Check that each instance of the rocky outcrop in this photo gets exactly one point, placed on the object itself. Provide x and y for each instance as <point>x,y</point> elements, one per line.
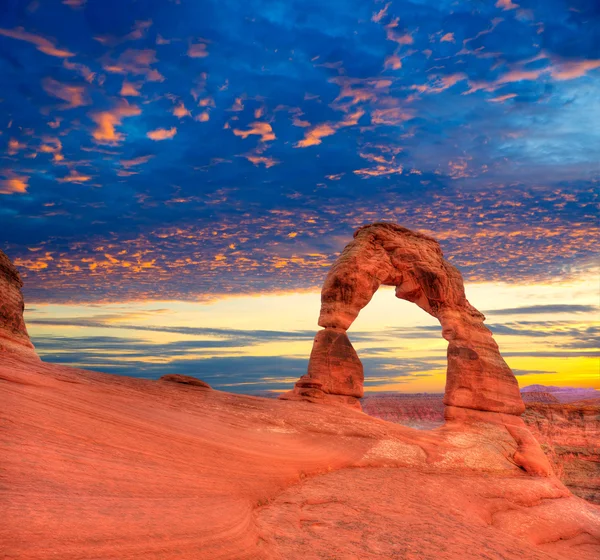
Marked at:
<point>538,397</point>
<point>480,387</point>
<point>13,332</point>
<point>185,380</point>
<point>387,254</point>
<point>570,436</point>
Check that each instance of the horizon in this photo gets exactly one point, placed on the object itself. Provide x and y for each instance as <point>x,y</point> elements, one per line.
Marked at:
<point>178,177</point>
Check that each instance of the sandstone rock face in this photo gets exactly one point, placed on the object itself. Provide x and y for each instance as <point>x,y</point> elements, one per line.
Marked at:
<point>105,466</point>
<point>387,254</point>
<point>13,332</point>
<point>570,436</point>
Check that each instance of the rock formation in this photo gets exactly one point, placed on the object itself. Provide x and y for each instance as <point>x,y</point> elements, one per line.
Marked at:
<point>13,332</point>
<point>480,387</point>
<point>390,255</point>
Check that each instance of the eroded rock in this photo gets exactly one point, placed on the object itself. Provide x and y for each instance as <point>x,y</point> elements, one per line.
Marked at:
<point>387,254</point>
<point>13,332</point>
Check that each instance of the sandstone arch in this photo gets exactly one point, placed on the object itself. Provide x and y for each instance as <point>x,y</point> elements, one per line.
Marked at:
<point>477,377</point>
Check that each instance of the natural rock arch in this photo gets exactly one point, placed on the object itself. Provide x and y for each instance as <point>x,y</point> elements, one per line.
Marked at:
<point>386,254</point>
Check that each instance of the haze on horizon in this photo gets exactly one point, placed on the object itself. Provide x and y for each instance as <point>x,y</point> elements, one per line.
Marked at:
<point>177,176</point>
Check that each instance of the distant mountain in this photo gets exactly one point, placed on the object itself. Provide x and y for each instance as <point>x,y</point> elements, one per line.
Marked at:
<point>562,394</point>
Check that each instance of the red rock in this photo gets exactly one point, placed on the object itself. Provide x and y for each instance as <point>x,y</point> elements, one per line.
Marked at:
<point>103,466</point>
<point>570,437</point>
<point>13,332</point>
<point>477,377</point>
<point>334,370</point>
<point>538,397</point>
<point>185,379</point>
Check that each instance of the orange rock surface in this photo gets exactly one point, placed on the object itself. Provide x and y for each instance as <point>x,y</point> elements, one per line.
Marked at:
<point>13,332</point>
<point>101,466</point>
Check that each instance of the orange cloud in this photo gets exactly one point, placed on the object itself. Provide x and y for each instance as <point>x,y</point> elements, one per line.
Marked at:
<point>129,90</point>
<point>393,115</point>
<point>74,177</point>
<point>506,5</point>
<point>127,163</point>
<point>14,146</point>
<point>197,50</point>
<point>180,111</point>
<point>261,129</point>
<point>82,69</point>
<point>136,62</point>
<point>313,136</point>
<point>393,61</point>
<point>572,70</point>
<point>257,160</point>
<point>14,185</point>
<point>42,44</point>
<point>202,117</point>
<point>238,105</point>
<point>378,16</point>
<point>502,98</point>
<point>52,146</point>
<point>107,121</point>
<point>162,134</point>
<point>75,96</point>
<point>447,38</point>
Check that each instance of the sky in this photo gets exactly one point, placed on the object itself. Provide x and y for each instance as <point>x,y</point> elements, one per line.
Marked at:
<point>176,177</point>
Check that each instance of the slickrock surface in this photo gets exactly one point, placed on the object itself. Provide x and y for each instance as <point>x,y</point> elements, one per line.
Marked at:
<point>569,434</point>
<point>13,332</point>
<point>101,466</point>
<point>387,254</point>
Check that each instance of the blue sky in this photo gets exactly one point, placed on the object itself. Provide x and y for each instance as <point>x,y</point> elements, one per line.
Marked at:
<point>194,150</point>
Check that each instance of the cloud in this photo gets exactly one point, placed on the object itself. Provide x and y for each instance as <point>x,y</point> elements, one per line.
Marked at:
<point>544,309</point>
<point>134,162</point>
<point>393,61</point>
<point>107,121</point>
<point>506,5</point>
<point>15,184</point>
<point>42,44</point>
<point>129,89</point>
<point>75,177</point>
<point>162,133</point>
<point>261,129</point>
<point>573,69</point>
<point>197,50</point>
<point>180,111</point>
<point>312,137</point>
<point>264,160</point>
<point>447,38</point>
<point>138,32</point>
<point>137,62</point>
<point>75,96</point>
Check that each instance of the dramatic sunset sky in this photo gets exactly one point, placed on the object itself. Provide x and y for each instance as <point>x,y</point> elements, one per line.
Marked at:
<point>176,176</point>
